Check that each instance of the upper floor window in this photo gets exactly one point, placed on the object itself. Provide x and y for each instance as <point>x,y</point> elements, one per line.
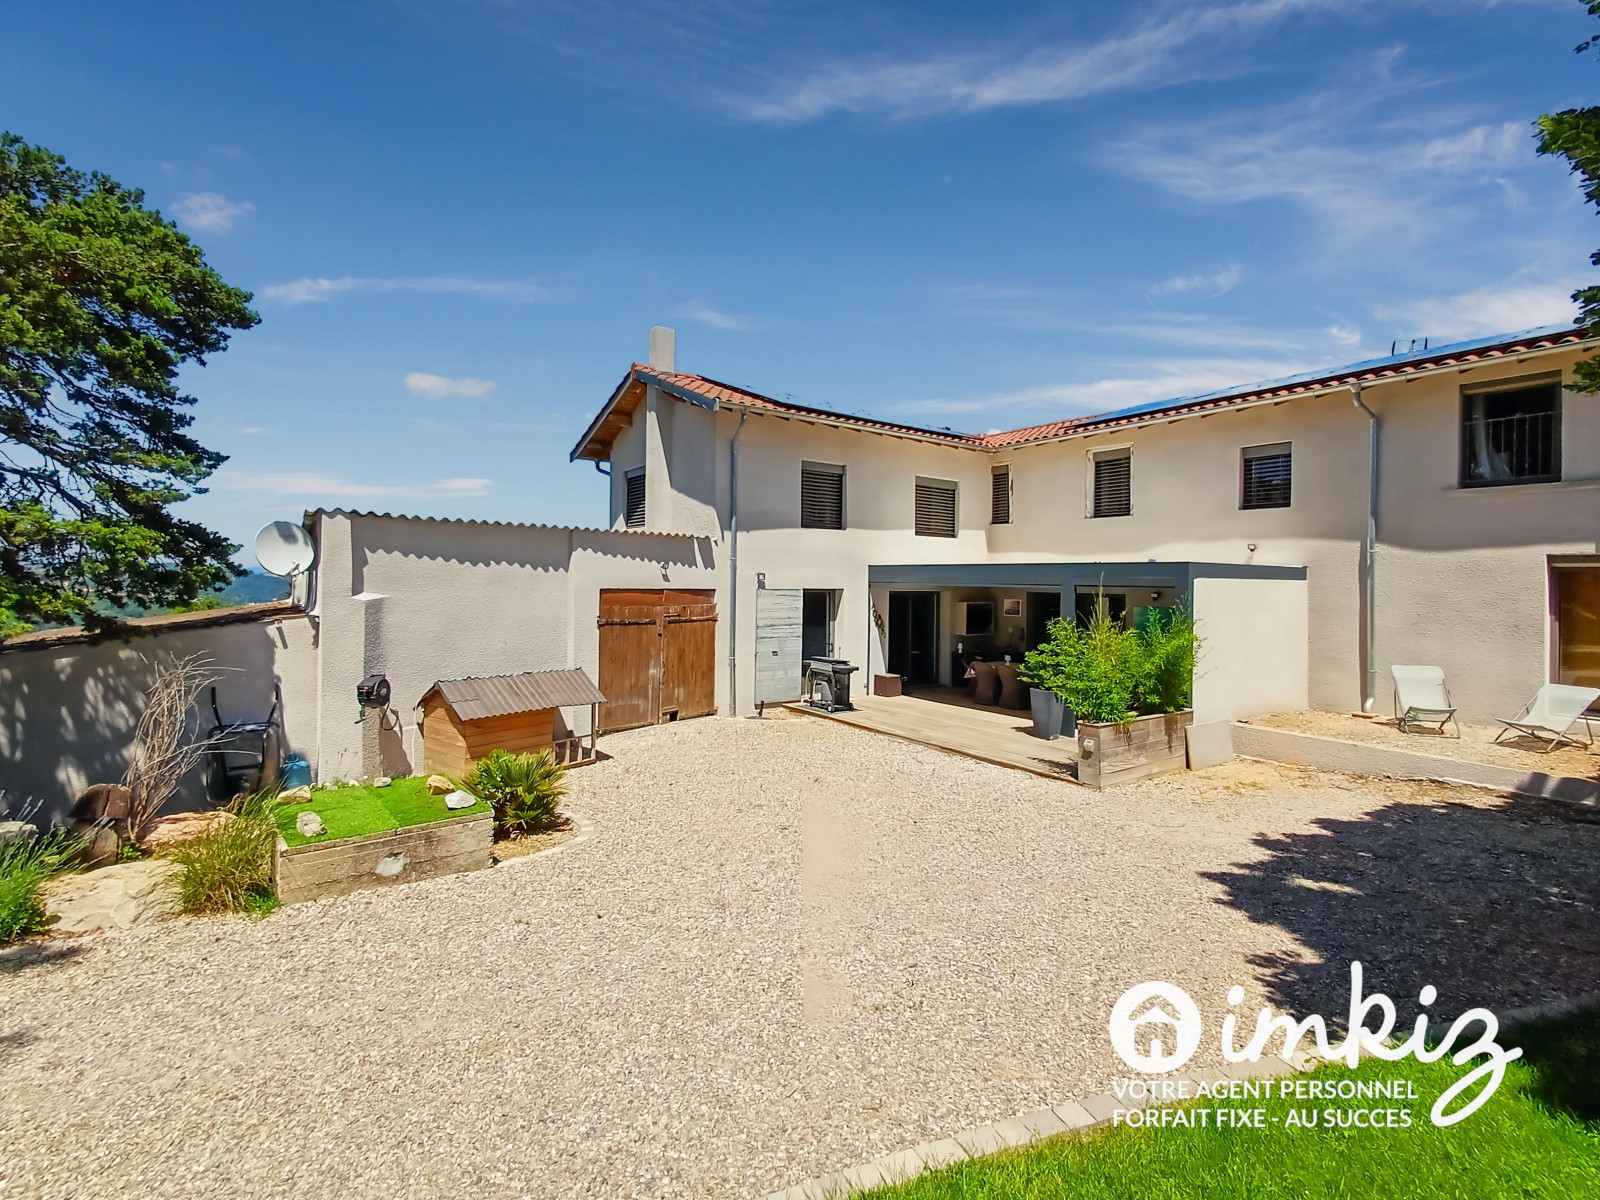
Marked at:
<point>1511,433</point>
<point>821,496</point>
<point>633,506</point>
<point>1000,503</point>
<point>1267,476</point>
<point>936,508</point>
<point>1113,483</point>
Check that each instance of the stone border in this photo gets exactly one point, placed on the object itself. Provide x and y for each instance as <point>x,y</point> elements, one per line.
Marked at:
<point>1360,758</point>
<point>1080,1116</point>
<point>1072,1116</point>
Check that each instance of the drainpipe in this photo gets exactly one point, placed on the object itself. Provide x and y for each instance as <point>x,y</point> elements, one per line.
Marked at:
<point>1369,573</point>
<point>733,566</point>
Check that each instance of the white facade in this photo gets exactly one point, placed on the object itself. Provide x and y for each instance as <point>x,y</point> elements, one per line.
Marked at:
<point>1462,573</point>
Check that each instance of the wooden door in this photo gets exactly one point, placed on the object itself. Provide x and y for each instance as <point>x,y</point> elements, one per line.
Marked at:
<point>658,656</point>
<point>689,661</point>
<point>630,668</point>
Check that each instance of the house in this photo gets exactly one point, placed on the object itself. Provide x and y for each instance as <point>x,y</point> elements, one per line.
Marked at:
<point>1474,466</point>
<point>748,533</point>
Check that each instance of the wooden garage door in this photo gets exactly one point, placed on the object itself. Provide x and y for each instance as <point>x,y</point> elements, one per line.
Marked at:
<point>689,662</point>
<point>657,656</point>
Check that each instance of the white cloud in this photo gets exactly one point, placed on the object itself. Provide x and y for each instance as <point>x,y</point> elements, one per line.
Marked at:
<point>1154,52</point>
<point>210,212</point>
<point>254,430</point>
<point>1361,180</point>
<point>1214,284</point>
<point>1171,379</point>
<point>1504,308</point>
<point>1345,333</point>
<point>442,387</point>
<point>316,291</point>
<point>717,319</point>
<point>317,484</point>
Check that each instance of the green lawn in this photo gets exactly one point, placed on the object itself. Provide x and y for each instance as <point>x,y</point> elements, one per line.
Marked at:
<point>1539,1136</point>
<point>349,811</point>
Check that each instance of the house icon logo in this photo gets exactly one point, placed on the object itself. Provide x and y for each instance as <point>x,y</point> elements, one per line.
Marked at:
<point>1155,1027</point>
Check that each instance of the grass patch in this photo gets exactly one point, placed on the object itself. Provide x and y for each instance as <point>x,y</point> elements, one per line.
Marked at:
<point>1535,1138</point>
<point>24,867</point>
<point>228,868</point>
<point>353,811</point>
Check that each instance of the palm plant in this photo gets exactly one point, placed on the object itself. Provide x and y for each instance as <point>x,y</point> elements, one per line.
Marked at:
<point>523,789</point>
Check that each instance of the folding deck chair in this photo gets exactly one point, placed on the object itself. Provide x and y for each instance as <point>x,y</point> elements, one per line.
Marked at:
<point>1420,698</point>
<point>1554,710</point>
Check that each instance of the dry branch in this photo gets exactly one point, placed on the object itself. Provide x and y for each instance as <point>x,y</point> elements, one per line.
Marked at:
<point>163,750</point>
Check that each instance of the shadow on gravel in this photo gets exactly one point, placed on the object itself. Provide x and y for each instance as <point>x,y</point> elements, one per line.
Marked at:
<point>1497,906</point>
<point>36,954</point>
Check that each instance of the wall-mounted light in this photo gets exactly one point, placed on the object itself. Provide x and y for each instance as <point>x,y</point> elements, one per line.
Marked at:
<point>1250,546</point>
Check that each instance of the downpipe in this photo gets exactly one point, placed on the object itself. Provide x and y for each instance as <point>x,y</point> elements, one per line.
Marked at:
<point>733,566</point>
<point>1370,564</point>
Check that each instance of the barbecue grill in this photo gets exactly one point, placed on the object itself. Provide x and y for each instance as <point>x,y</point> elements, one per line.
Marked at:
<point>827,683</point>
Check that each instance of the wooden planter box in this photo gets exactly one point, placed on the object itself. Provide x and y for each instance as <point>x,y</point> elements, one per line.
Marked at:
<point>373,860</point>
<point>1112,754</point>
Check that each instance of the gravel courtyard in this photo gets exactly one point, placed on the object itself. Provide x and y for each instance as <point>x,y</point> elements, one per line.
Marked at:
<point>789,946</point>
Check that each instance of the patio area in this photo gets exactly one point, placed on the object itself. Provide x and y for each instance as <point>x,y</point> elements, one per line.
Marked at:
<point>948,719</point>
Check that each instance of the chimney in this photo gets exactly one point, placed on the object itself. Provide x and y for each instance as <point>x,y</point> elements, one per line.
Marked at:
<point>663,348</point>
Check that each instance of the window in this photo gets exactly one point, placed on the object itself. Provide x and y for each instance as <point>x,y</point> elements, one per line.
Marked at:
<point>633,507</point>
<point>1113,483</point>
<point>1511,434</point>
<point>1000,505</point>
<point>1267,475</point>
<point>821,496</point>
<point>936,508</point>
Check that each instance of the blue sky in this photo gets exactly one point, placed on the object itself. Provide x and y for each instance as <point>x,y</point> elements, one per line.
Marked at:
<point>460,217</point>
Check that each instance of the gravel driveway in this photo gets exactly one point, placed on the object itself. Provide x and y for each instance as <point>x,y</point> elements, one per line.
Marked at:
<point>790,946</point>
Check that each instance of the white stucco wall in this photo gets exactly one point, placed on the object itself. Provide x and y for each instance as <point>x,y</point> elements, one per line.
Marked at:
<point>1253,647</point>
<point>69,711</point>
<point>422,600</point>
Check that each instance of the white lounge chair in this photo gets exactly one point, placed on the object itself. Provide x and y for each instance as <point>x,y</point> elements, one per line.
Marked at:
<point>1552,713</point>
<point>1420,698</point>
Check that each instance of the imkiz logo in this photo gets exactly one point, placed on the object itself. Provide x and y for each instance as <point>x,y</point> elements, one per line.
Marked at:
<point>1165,1019</point>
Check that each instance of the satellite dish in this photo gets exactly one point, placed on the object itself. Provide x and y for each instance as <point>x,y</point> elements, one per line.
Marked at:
<point>284,548</point>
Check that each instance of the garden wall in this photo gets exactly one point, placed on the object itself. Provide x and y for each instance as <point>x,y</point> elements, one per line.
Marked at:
<point>68,705</point>
<point>1253,648</point>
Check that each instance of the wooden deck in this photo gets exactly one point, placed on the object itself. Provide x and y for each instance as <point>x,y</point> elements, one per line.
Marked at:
<point>958,726</point>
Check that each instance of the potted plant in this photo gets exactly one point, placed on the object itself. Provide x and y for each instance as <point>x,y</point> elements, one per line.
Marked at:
<point>1139,688</point>
<point>1130,690</point>
<point>1046,670</point>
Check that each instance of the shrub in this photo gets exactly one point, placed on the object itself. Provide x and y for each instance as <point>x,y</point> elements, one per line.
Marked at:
<point>1166,649</point>
<point>24,866</point>
<point>523,789</point>
<point>228,868</point>
<point>1105,672</point>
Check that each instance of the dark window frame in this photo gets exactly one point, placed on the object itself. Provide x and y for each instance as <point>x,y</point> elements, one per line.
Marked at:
<point>1251,489</point>
<point>1466,422</point>
<point>818,473</point>
<point>1111,454</point>
<point>633,518</point>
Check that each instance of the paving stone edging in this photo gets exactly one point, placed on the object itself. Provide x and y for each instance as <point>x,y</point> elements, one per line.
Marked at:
<point>1361,758</point>
<point>1078,1116</point>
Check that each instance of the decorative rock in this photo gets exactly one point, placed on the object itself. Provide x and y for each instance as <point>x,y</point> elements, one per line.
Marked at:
<point>102,801</point>
<point>17,831</point>
<point>118,897</point>
<point>181,827</point>
<point>310,825</point>
<point>382,781</point>
<point>101,846</point>
<point>460,799</point>
<point>438,785</point>
<point>295,795</point>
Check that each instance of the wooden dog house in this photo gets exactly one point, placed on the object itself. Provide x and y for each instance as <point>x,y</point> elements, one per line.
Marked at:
<point>464,719</point>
